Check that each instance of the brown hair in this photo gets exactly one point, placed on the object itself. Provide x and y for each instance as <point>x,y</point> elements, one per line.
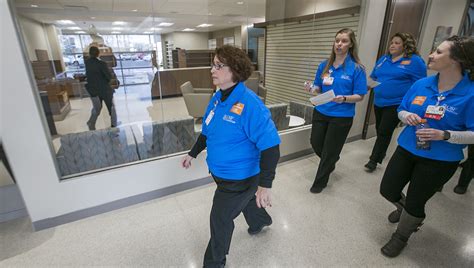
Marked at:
<point>352,50</point>
<point>94,52</point>
<point>462,51</point>
<point>237,60</point>
<point>409,44</point>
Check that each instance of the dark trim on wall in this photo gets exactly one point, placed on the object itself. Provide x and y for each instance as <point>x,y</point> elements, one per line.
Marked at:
<point>349,10</point>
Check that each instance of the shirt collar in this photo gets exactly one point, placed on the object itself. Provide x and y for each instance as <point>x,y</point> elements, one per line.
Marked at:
<point>235,95</point>
<point>462,87</point>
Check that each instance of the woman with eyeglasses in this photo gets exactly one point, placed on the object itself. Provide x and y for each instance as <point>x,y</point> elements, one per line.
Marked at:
<point>395,72</point>
<point>427,157</point>
<point>345,75</point>
<point>242,153</point>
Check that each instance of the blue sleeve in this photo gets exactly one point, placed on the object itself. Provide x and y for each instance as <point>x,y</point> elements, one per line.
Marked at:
<point>317,79</point>
<point>360,81</point>
<point>372,75</point>
<point>418,68</point>
<point>258,126</point>
<point>469,112</point>
<point>208,110</point>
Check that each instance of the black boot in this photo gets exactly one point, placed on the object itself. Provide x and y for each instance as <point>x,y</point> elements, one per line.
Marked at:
<point>370,166</point>
<point>394,217</point>
<point>408,224</point>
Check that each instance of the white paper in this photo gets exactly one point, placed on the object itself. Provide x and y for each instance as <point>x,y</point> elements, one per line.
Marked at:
<point>322,98</point>
<point>372,83</point>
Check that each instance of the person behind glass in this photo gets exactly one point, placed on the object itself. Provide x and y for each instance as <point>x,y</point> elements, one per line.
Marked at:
<point>98,79</point>
<point>242,153</point>
<point>395,72</point>
<point>467,172</point>
<point>428,157</point>
<point>344,74</point>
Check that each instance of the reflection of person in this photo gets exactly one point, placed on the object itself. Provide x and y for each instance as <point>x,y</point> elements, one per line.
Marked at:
<point>396,72</point>
<point>446,101</point>
<point>242,152</point>
<point>467,172</point>
<point>344,74</point>
<point>98,79</point>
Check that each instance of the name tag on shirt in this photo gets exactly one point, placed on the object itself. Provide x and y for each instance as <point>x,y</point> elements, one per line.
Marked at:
<point>328,80</point>
<point>435,112</point>
<point>237,108</point>
<point>419,100</point>
<point>209,117</point>
<point>405,62</point>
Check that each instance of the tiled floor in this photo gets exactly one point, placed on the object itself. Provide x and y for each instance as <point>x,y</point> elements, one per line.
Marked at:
<point>343,226</point>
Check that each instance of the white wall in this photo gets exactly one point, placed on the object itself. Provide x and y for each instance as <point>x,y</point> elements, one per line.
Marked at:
<point>26,142</point>
<point>440,13</point>
<point>190,41</point>
<point>279,9</point>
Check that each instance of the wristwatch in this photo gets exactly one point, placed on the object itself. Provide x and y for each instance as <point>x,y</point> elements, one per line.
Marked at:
<point>446,135</point>
<point>344,98</point>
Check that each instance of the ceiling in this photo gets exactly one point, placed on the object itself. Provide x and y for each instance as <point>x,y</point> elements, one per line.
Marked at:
<point>142,16</point>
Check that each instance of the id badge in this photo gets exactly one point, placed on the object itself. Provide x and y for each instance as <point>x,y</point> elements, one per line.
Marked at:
<point>434,112</point>
<point>209,117</point>
<point>328,80</point>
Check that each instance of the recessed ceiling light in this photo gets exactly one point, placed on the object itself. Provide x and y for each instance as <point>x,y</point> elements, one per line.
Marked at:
<point>116,28</point>
<point>204,25</point>
<point>147,32</point>
<point>115,32</point>
<point>34,5</point>
<point>134,10</point>
<point>188,30</point>
<point>80,32</point>
<point>73,28</point>
<point>119,23</point>
<point>240,3</point>
<point>93,18</point>
<point>165,24</point>
<point>155,29</point>
<point>65,22</point>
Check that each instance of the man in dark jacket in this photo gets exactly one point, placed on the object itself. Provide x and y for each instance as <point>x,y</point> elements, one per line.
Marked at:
<point>98,79</point>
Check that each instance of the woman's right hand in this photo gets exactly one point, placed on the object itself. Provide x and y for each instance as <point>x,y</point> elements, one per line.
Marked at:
<point>413,119</point>
<point>186,161</point>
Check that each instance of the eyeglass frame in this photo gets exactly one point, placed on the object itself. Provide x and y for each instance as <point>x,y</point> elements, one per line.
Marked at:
<point>218,66</point>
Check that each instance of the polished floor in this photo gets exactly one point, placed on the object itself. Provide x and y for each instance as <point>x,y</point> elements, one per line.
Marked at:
<point>343,226</point>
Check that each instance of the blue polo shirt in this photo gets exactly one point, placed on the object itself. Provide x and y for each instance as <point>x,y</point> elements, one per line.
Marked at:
<point>239,130</point>
<point>396,78</point>
<point>349,79</point>
<point>459,116</point>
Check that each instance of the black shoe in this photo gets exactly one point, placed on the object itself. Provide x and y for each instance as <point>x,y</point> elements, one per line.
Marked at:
<point>316,189</point>
<point>394,247</point>
<point>460,189</point>
<point>259,229</point>
<point>370,166</point>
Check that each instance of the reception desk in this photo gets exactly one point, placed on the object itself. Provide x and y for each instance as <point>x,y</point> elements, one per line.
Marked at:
<point>171,79</point>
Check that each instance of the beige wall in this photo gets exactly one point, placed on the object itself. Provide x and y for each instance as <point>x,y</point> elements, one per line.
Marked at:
<point>279,9</point>
<point>190,41</point>
<point>440,13</point>
<point>34,35</point>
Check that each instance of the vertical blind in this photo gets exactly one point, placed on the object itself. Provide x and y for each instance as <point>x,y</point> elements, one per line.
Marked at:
<point>294,51</point>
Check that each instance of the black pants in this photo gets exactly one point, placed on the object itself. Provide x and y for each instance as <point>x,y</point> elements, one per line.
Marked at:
<point>386,120</point>
<point>230,199</point>
<point>425,176</point>
<point>467,168</point>
<point>328,135</point>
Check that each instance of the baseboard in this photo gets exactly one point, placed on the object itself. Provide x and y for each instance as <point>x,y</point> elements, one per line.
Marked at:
<point>12,215</point>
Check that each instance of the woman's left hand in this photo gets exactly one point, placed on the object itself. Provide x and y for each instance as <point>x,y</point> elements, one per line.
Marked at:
<point>263,197</point>
<point>430,134</point>
<point>338,99</point>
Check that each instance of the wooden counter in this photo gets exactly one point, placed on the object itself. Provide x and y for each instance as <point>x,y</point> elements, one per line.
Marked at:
<point>172,79</point>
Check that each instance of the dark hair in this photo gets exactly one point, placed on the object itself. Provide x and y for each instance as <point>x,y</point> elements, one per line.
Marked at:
<point>352,50</point>
<point>237,60</point>
<point>462,51</point>
<point>94,52</point>
<point>409,43</point>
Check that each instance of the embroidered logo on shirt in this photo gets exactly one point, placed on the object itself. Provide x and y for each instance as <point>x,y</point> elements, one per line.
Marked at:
<point>419,100</point>
<point>237,108</point>
<point>450,109</point>
<point>405,62</point>
<point>346,77</point>
<point>228,118</point>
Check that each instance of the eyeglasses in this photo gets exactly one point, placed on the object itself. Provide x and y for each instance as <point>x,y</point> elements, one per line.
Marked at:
<point>218,66</point>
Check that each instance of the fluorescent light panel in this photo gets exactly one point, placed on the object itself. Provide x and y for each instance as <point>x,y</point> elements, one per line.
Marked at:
<point>65,22</point>
<point>204,25</point>
<point>165,24</point>
<point>119,23</point>
<point>73,28</point>
<point>188,30</point>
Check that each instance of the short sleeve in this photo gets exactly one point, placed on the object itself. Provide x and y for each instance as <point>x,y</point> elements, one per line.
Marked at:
<point>360,81</point>
<point>259,127</point>
<point>418,68</point>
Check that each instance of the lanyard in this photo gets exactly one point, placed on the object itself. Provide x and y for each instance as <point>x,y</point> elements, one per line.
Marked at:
<point>441,97</point>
